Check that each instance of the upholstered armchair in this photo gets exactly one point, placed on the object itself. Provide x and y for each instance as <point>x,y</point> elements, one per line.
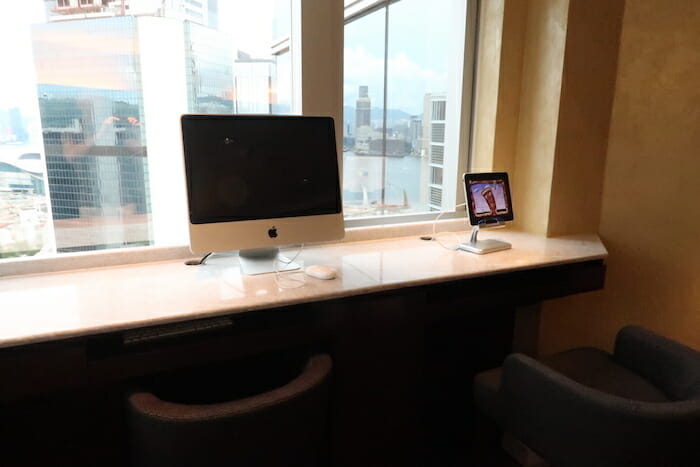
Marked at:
<point>639,406</point>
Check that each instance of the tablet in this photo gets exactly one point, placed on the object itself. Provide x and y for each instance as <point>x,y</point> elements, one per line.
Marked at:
<point>488,197</point>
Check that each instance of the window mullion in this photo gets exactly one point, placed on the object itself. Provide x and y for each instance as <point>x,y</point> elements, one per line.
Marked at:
<point>359,8</point>
<point>385,103</point>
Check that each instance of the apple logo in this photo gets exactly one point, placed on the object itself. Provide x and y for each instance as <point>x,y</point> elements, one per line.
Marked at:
<point>272,233</point>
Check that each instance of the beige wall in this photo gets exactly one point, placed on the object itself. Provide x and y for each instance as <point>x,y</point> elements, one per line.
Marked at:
<point>515,19</point>
<point>499,77</point>
<point>519,79</point>
<point>649,216</point>
<point>543,59</point>
<point>588,87</point>
<point>486,86</point>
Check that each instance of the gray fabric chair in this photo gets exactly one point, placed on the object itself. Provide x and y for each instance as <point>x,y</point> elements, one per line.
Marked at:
<point>639,406</point>
<point>286,426</point>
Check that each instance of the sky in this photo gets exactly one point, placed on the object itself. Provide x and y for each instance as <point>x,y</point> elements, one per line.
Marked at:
<point>15,49</point>
<point>18,86</point>
<point>419,45</point>
<point>250,23</point>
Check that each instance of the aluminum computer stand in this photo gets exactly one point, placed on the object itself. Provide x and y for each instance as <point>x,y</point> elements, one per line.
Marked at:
<point>481,247</point>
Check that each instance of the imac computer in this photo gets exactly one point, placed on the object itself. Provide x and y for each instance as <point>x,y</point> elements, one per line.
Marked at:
<point>256,182</point>
<point>488,205</point>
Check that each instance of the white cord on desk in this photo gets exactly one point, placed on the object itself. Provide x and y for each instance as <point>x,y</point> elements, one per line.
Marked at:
<point>435,234</point>
<point>292,279</point>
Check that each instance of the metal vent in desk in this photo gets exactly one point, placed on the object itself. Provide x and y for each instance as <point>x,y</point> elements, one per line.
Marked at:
<point>143,335</point>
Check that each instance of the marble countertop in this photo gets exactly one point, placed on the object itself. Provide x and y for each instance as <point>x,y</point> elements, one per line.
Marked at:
<point>45,307</point>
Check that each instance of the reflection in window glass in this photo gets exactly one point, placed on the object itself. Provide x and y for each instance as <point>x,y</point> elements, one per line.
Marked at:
<point>282,25</point>
<point>82,136</point>
<point>394,151</point>
<point>282,99</point>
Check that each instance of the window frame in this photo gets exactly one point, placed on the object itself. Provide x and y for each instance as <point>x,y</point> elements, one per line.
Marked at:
<point>357,9</point>
<point>308,61</point>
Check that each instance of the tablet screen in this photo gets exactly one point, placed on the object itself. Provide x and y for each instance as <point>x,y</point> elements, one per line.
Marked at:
<point>488,197</point>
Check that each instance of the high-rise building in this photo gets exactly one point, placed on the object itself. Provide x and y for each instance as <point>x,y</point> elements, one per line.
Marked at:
<point>434,109</point>
<point>415,135</point>
<point>363,108</point>
<point>363,121</point>
<point>112,78</point>
<point>203,12</point>
<point>104,85</point>
<point>92,117</point>
<point>209,57</point>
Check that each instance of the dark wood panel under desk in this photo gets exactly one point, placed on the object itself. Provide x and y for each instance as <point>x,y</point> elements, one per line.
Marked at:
<point>377,352</point>
<point>250,333</point>
<point>515,288</point>
<point>41,368</point>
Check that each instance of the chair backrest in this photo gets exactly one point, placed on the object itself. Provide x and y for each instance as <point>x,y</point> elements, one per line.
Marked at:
<point>573,425</point>
<point>286,426</point>
<point>671,366</point>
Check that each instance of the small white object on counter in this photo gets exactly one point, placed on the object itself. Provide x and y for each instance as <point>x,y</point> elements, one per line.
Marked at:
<point>320,271</point>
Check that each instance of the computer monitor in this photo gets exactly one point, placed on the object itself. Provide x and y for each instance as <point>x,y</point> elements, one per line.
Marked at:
<point>256,182</point>
<point>489,205</point>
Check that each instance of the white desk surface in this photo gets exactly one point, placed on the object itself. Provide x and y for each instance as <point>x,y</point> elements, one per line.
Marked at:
<point>46,307</point>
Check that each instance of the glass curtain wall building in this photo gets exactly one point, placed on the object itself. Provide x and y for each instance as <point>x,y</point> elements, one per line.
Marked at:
<point>209,57</point>
<point>90,156</point>
<point>91,104</point>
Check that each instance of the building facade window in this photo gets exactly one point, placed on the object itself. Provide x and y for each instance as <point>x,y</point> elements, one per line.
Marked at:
<point>403,91</point>
<point>89,153</point>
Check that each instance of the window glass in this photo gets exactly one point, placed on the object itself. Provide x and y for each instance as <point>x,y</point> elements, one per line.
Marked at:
<point>363,116</point>
<point>282,98</point>
<point>90,156</point>
<point>398,151</point>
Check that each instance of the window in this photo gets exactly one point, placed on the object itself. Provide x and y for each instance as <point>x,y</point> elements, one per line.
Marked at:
<point>90,157</point>
<point>403,95</point>
<point>89,116</point>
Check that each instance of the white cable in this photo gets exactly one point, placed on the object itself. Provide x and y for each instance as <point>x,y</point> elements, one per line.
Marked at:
<point>437,238</point>
<point>292,279</point>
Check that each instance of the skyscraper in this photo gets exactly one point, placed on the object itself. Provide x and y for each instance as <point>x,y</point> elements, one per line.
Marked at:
<point>434,114</point>
<point>363,121</point>
<point>112,78</point>
<point>101,96</point>
<point>209,56</point>
<point>92,117</point>
<point>363,108</point>
<point>197,11</point>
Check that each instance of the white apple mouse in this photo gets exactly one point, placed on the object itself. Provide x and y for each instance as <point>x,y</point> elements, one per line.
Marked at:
<point>320,271</point>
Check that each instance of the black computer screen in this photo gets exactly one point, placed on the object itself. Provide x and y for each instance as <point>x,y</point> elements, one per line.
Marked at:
<point>259,167</point>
